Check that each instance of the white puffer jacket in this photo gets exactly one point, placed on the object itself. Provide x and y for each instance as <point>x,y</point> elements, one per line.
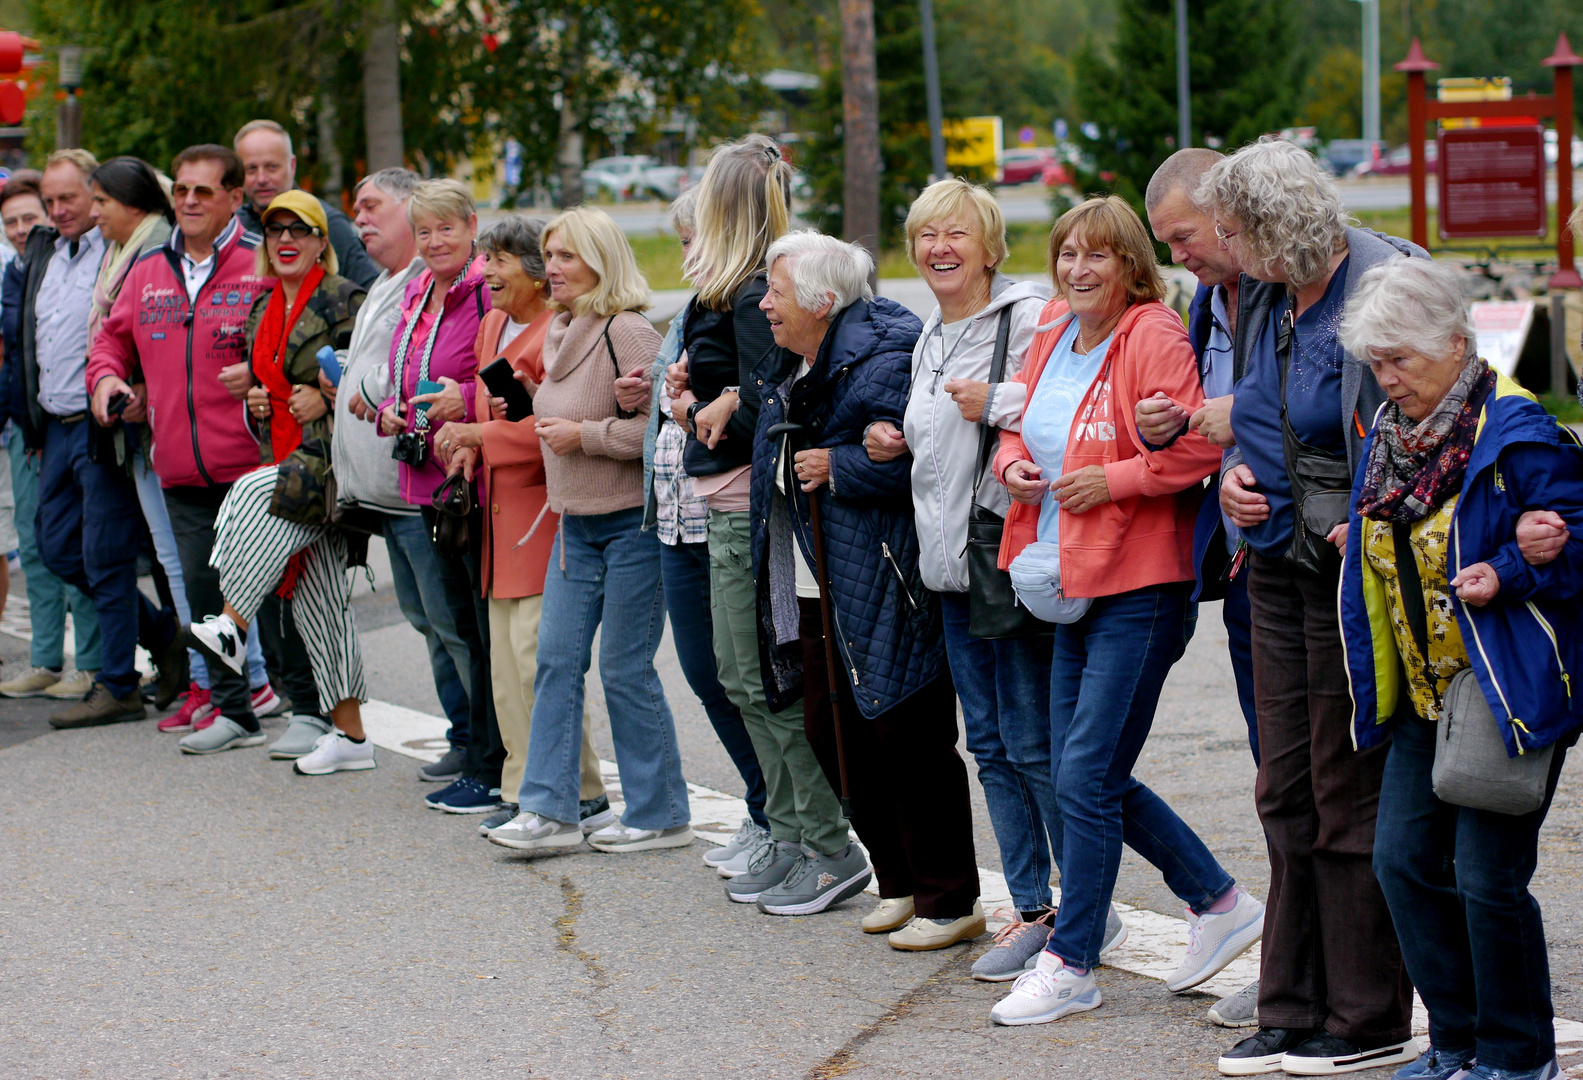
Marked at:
<point>944,446</point>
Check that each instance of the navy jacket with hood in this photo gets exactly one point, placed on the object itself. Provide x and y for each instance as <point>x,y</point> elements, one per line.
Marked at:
<point>887,623</point>
<point>1527,643</point>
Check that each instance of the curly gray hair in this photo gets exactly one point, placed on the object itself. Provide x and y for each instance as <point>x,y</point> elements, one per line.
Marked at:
<point>1408,304</point>
<point>1289,208</point>
<point>517,234</point>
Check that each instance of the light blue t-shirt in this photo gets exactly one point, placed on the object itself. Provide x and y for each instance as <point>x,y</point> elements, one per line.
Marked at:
<point>1048,420</point>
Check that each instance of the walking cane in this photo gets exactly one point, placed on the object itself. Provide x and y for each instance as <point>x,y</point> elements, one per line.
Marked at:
<point>833,669</point>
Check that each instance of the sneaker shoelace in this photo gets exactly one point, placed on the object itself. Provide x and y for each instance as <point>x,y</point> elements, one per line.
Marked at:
<point>1035,983</point>
<point>1007,935</point>
<point>745,834</point>
<point>799,870</point>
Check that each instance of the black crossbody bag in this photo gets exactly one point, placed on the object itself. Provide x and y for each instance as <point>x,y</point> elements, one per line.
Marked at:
<point>1321,482</point>
<point>993,610</point>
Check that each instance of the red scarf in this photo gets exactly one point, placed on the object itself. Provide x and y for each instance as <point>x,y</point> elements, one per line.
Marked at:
<point>269,362</point>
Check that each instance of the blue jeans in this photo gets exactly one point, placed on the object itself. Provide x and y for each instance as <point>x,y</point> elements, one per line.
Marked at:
<point>1239,643</point>
<point>612,577</point>
<point>152,498</point>
<point>89,530</point>
<point>1456,881</point>
<point>1106,671</point>
<point>685,571</point>
<point>47,595</point>
<point>1004,688</point>
<point>420,592</point>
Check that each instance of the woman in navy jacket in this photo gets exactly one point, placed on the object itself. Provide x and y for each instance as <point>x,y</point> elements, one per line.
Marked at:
<point>1458,456</point>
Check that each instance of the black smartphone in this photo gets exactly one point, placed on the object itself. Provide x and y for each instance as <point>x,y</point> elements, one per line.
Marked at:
<point>117,404</point>
<point>502,383</point>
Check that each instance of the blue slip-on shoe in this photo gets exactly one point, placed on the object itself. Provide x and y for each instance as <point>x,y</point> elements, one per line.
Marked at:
<point>466,796</point>
<point>1488,1072</point>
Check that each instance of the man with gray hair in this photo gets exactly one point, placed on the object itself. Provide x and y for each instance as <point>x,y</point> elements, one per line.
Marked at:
<point>367,485</point>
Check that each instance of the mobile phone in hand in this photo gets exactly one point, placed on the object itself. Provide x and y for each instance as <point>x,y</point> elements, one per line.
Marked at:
<point>502,383</point>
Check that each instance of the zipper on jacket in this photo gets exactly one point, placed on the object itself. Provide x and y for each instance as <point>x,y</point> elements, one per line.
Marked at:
<point>192,410</point>
<point>1511,720</point>
<point>1555,646</point>
<point>901,579</point>
<point>840,642</point>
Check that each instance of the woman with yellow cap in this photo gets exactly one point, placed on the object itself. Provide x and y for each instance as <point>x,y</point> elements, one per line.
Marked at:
<point>273,533</point>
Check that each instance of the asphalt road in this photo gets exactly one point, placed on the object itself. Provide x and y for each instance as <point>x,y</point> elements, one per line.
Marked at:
<point>180,917</point>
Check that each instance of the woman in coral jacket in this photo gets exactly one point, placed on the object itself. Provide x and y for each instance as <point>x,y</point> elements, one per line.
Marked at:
<point>1099,541</point>
<point>506,458</point>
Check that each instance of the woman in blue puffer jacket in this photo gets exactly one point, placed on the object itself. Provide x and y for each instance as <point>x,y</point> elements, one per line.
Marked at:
<point>1438,586</point>
<point>898,710</point>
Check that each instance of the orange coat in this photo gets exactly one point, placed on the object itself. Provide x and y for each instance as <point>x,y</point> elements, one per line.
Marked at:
<point>511,477</point>
<point>1144,535</point>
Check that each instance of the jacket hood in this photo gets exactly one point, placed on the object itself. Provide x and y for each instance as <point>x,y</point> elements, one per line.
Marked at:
<point>867,327</point>
<point>1003,291</point>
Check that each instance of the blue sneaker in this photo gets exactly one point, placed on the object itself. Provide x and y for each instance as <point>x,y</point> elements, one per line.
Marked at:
<point>465,796</point>
<point>1489,1072</point>
<point>1435,1064</point>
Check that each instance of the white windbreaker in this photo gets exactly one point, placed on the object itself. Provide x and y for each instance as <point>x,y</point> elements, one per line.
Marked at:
<point>945,446</point>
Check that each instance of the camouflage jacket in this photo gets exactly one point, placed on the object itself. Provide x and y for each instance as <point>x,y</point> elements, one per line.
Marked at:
<point>327,320</point>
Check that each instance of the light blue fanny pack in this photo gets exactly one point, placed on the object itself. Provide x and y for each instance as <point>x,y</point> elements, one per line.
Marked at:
<point>1036,577</point>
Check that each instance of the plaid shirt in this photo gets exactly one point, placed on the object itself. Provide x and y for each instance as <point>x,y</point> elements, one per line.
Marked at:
<point>683,518</point>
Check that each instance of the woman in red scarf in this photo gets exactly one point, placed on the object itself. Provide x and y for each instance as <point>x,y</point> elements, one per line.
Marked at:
<point>310,307</point>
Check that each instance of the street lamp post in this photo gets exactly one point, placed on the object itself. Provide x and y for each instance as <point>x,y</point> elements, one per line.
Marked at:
<point>1184,101</point>
<point>931,89</point>
<point>68,118</point>
<point>1371,71</point>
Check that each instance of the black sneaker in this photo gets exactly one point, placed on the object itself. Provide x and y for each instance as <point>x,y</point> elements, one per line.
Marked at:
<point>1262,1052</point>
<point>595,814</point>
<point>447,768</point>
<point>1324,1054</point>
<point>506,812</point>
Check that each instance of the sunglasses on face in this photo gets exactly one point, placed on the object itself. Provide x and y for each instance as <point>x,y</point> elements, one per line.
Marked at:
<point>298,230</point>
<point>203,191</point>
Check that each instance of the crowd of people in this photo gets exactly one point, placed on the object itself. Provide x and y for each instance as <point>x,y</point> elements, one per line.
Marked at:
<point>858,524</point>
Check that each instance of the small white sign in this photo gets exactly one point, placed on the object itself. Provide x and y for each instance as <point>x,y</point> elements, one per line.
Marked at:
<point>1502,327</point>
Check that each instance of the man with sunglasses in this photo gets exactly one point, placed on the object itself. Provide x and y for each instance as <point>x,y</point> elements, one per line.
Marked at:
<point>181,318</point>
<point>269,168</point>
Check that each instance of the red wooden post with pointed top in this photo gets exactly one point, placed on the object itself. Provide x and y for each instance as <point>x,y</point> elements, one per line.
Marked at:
<point>1414,66</point>
<point>1561,62</point>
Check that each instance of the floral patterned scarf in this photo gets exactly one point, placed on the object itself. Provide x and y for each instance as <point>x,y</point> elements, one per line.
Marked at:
<point>1414,468</point>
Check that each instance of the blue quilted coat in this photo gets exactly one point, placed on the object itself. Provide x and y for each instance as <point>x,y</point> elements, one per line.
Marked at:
<point>887,623</point>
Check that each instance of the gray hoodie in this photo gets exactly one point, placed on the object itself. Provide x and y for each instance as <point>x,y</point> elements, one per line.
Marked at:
<point>365,473</point>
<point>945,446</point>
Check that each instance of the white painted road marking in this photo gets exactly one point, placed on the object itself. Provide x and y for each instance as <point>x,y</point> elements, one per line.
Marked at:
<point>1154,944</point>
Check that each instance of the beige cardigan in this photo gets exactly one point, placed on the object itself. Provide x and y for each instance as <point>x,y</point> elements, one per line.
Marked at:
<point>579,384</point>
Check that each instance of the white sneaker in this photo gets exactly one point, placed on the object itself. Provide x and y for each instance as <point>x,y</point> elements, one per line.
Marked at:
<point>1046,993</point>
<point>619,838</point>
<point>1213,941</point>
<point>738,864</point>
<point>530,832</point>
<point>72,686</point>
<point>334,752</point>
<point>750,835</point>
<point>222,639</point>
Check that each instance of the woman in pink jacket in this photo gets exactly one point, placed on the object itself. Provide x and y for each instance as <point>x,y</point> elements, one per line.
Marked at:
<point>1099,541</point>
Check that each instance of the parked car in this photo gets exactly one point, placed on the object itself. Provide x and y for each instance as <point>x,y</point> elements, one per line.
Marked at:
<point>1345,155</point>
<point>1025,164</point>
<point>617,177</point>
<point>669,181</point>
<point>1550,150</point>
<point>1399,162</point>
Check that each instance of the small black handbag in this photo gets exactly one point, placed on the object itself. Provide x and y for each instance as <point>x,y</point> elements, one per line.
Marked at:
<point>453,501</point>
<point>993,610</point>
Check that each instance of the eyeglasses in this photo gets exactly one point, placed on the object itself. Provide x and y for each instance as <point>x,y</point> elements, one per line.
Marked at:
<point>1221,234</point>
<point>181,191</point>
<point>298,230</point>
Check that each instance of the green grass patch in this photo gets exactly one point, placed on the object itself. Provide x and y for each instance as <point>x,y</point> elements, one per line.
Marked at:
<point>1027,244</point>
<point>1564,407</point>
<point>660,259</point>
<point>1399,222</point>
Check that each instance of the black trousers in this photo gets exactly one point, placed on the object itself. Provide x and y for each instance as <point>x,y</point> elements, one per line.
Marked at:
<point>463,582</point>
<point>910,802</point>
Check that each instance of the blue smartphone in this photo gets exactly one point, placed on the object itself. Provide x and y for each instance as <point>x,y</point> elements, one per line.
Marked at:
<point>330,365</point>
<point>426,387</point>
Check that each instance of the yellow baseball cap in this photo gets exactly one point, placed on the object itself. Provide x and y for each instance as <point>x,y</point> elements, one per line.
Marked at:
<point>305,206</point>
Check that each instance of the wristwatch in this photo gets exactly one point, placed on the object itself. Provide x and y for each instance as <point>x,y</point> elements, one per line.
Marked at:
<point>692,416</point>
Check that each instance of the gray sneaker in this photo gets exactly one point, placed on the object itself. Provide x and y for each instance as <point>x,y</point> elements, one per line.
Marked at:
<point>447,768</point>
<point>1115,934</point>
<point>770,865</point>
<point>750,836</point>
<point>1016,945</point>
<point>223,734</point>
<point>530,832</point>
<point>817,882</point>
<point>506,812</point>
<point>298,741</point>
<point>1239,1010</point>
<point>738,864</point>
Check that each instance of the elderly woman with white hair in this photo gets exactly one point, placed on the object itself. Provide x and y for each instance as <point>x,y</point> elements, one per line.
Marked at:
<point>1333,994</point>
<point>826,517</point>
<point>1458,457</point>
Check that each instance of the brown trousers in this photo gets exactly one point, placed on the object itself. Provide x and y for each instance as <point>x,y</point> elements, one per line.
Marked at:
<point>910,802</point>
<point>1330,955</point>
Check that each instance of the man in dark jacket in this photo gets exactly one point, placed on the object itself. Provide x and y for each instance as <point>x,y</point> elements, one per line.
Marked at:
<point>909,791</point>
<point>265,149</point>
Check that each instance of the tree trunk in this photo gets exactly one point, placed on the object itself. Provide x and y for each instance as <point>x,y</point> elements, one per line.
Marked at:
<point>382,87</point>
<point>329,148</point>
<point>569,149</point>
<point>860,124</point>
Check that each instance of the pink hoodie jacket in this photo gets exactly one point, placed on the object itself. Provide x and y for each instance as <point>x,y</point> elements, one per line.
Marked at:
<point>201,435</point>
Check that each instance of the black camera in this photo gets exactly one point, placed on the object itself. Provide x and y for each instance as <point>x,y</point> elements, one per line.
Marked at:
<point>411,449</point>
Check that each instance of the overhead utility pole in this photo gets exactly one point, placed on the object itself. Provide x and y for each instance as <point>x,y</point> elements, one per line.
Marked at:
<point>1184,101</point>
<point>931,87</point>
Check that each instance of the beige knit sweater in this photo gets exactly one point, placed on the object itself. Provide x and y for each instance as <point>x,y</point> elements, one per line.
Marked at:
<point>579,384</point>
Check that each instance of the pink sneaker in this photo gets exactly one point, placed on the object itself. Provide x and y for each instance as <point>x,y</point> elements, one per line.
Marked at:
<point>195,712</point>
<point>266,702</point>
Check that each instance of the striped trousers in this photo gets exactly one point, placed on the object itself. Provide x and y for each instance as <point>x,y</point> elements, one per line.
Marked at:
<point>251,550</point>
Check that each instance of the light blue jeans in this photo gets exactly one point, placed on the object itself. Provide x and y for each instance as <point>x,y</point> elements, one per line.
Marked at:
<point>152,498</point>
<point>611,577</point>
<point>47,595</point>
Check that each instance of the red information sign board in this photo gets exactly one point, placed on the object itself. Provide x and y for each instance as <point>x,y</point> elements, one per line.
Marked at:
<point>1492,182</point>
